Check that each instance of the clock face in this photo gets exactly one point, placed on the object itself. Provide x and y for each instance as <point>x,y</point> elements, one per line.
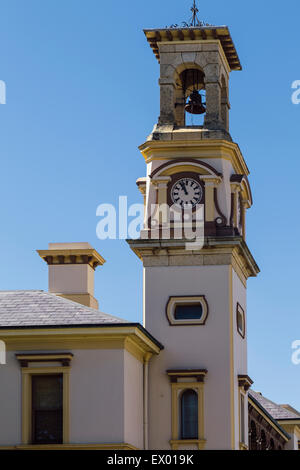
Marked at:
<point>186,191</point>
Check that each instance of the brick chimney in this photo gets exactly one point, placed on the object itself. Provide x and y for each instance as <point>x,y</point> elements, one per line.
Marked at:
<point>71,271</point>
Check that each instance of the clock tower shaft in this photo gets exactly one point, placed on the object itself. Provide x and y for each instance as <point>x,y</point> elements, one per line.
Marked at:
<point>195,296</point>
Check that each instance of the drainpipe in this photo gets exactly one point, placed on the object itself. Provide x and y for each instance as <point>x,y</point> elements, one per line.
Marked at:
<point>147,358</point>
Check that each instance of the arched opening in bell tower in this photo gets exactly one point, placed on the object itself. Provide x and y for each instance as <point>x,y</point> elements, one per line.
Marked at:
<point>191,97</point>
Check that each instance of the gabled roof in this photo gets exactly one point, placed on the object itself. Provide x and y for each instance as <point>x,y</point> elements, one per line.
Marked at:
<point>264,412</point>
<point>19,309</point>
<point>277,412</point>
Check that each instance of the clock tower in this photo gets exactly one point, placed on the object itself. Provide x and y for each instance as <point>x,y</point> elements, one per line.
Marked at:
<point>195,293</point>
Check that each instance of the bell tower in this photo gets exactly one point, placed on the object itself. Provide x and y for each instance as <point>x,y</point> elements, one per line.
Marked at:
<point>195,295</point>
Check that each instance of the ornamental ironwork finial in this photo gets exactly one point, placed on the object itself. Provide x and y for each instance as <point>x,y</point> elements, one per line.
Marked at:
<point>194,21</point>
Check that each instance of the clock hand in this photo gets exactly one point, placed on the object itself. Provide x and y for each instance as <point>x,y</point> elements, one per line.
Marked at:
<point>184,188</point>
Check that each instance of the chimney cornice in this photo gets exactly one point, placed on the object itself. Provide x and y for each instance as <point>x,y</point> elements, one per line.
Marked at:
<point>72,256</point>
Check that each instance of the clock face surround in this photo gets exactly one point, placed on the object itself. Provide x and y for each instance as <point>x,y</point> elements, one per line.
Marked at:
<point>186,192</point>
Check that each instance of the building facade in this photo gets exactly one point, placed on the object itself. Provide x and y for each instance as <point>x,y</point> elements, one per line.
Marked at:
<point>76,378</point>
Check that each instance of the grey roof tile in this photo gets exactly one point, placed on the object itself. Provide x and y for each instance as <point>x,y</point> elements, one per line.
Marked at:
<point>278,412</point>
<point>39,308</point>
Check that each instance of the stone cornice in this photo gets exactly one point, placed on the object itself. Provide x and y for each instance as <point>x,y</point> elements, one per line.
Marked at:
<point>196,147</point>
<point>245,382</point>
<point>63,358</point>
<point>131,337</point>
<point>198,374</point>
<point>203,35</point>
<point>216,251</point>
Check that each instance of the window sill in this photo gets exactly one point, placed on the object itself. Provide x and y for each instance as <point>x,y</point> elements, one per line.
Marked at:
<point>200,443</point>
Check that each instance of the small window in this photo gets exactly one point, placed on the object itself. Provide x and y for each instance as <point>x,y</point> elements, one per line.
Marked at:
<point>242,419</point>
<point>240,319</point>
<point>47,409</point>
<point>187,310</point>
<point>189,415</point>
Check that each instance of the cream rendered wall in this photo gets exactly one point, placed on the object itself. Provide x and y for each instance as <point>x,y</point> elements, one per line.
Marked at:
<point>292,444</point>
<point>195,347</point>
<point>239,295</point>
<point>10,401</point>
<point>106,398</point>
<point>71,278</point>
<point>97,396</point>
<point>133,401</point>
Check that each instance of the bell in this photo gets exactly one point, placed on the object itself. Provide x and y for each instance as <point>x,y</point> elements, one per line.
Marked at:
<point>195,105</point>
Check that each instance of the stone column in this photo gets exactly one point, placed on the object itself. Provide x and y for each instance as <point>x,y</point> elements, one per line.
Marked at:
<point>245,206</point>
<point>225,113</point>
<point>225,105</point>
<point>213,117</point>
<point>210,184</point>
<point>235,189</point>
<point>161,184</point>
<point>167,101</point>
<point>179,108</point>
<point>142,186</point>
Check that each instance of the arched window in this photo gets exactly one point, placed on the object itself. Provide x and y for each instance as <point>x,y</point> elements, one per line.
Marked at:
<point>191,93</point>
<point>263,440</point>
<point>189,415</point>
<point>253,436</point>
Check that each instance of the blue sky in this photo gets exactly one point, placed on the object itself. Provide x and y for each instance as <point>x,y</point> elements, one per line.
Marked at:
<point>82,94</point>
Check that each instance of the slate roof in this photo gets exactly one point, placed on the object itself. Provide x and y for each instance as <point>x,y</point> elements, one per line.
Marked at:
<point>277,412</point>
<point>38,308</point>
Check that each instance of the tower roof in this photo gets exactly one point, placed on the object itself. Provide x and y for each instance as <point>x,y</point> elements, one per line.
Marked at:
<point>188,34</point>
